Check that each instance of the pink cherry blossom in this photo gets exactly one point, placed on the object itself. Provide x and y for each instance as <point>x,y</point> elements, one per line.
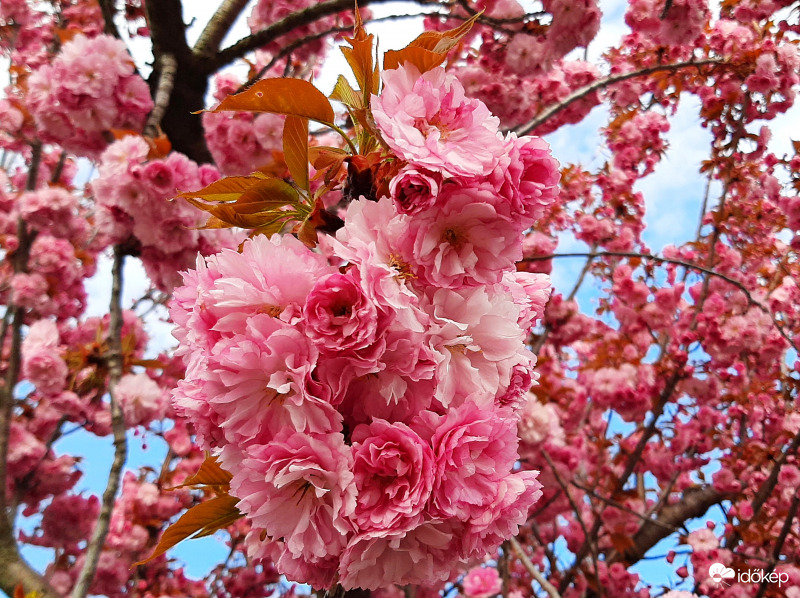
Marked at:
<point>394,474</point>
<point>481,582</point>
<point>300,488</point>
<point>429,122</point>
<point>339,316</point>
<point>461,242</point>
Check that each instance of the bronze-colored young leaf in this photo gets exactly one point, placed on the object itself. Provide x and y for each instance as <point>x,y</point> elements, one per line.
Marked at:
<point>444,41</point>
<point>430,48</point>
<point>227,189</point>
<point>294,97</point>
<point>199,521</point>
<point>343,92</point>
<point>327,161</point>
<point>251,216</point>
<point>268,194</point>
<point>209,474</point>
<point>295,149</point>
<point>319,219</point>
<point>271,228</point>
<point>360,58</point>
<point>421,58</point>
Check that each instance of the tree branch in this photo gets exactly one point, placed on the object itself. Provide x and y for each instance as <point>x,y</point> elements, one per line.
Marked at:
<point>218,27</point>
<point>166,82</point>
<point>108,10</point>
<point>297,19</point>
<point>100,532</point>
<point>581,93</point>
<point>767,487</point>
<point>695,502</point>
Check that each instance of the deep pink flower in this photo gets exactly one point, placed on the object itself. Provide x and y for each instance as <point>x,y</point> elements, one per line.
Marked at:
<point>369,239</point>
<point>478,343</point>
<point>526,178</point>
<point>338,316</point>
<point>530,291</point>
<point>394,472</point>
<point>257,383</point>
<point>414,190</point>
<point>474,449</point>
<point>271,276</point>
<point>481,582</point>
<point>141,399</point>
<point>501,517</point>
<point>42,364</point>
<point>402,384</point>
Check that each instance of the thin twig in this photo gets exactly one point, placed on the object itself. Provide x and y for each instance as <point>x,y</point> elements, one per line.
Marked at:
<point>533,570</point>
<point>536,347</point>
<point>95,546</point>
<point>766,488</point>
<point>587,539</point>
<point>648,256</point>
<point>503,566</point>
<point>289,23</point>
<point>621,507</point>
<point>581,93</point>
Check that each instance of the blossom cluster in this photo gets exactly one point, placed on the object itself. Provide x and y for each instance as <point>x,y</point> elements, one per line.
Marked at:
<point>89,88</point>
<point>366,397</point>
<point>131,192</point>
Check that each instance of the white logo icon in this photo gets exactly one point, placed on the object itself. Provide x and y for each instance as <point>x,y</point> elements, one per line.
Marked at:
<point>719,573</point>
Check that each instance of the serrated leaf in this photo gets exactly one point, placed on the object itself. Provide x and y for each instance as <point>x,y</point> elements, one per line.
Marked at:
<point>268,193</point>
<point>444,41</point>
<point>343,92</point>
<point>270,228</point>
<point>421,58</point>
<point>295,149</point>
<point>244,218</point>
<point>318,151</point>
<point>209,474</point>
<point>327,161</point>
<point>360,59</point>
<point>292,97</point>
<point>199,521</point>
<point>214,223</point>
<point>228,189</point>
<point>430,48</point>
